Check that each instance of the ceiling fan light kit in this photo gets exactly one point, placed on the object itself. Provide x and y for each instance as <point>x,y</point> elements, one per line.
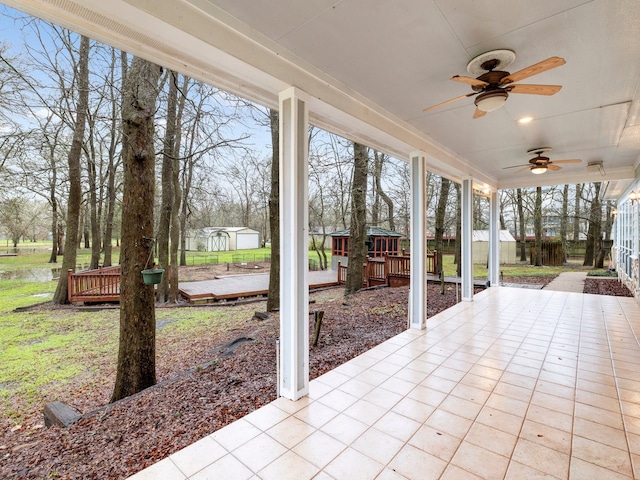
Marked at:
<point>493,85</point>
<point>538,169</point>
<point>491,100</point>
<point>539,164</point>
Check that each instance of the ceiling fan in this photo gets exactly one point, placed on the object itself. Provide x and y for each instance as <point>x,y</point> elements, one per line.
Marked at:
<point>492,86</point>
<point>540,164</point>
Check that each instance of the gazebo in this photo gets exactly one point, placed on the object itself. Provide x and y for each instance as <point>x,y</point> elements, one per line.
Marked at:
<point>380,242</point>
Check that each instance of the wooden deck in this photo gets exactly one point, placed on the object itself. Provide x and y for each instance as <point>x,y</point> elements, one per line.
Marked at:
<point>249,285</point>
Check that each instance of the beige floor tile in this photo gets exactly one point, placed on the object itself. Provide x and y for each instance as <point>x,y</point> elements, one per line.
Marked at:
<point>389,474</point>
<point>434,442</point>
<point>440,384</point>
<point>351,464</point>
<point>164,469</point>
<point>581,470</point>
<point>397,426</point>
<point>413,409</point>
<point>492,439</point>
<point>259,452</point>
<point>471,393</point>
<point>461,407</point>
<point>198,455</point>
<point>541,458</point>
<point>503,421</point>
<point>356,387</point>
<point>333,379</point>
<point>553,402</point>
<point>338,400</point>
<point>600,415</point>
<point>290,406</point>
<point>602,455</point>
<point>549,417</point>
<point>506,404</point>
<point>518,471</point>
<point>398,386</point>
<point>414,463</point>
<point>319,448</point>
<point>316,414</point>
<point>510,388</point>
<point>289,466</point>
<point>291,431</point>
<point>223,469</point>
<point>344,428</point>
<point>318,389</point>
<point>372,377</point>
<point>377,445</point>
<point>365,412</point>
<point>477,381</point>
<point>555,389</point>
<point>382,397</point>
<point>450,423</point>
<point>598,400</point>
<point>558,440</point>
<point>600,433</point>
<point>235,434</point>
<point>426,395</point>
<point>480,461</point>
<point>453,472</point>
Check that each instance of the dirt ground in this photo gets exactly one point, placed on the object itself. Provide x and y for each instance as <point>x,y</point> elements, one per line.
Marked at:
<point>222,384</point>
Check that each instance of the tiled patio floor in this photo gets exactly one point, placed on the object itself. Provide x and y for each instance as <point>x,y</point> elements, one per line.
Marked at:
<point>518,384</point>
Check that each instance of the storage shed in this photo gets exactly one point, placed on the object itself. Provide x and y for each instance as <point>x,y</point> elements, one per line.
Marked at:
<point>221,239</point>
<point>481,247</point>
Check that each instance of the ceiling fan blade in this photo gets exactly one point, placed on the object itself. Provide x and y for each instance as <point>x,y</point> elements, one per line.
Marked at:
<point>573,160</point>
<point>469,81</point>
<point>535,89</point>
<point>442,104</point>
<point>539,67</point>
<point>517,166</point>
<point>479,113</point>
<point>552,166</point>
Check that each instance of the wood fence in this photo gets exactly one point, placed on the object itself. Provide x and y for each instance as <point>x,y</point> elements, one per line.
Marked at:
<point>392,270</point>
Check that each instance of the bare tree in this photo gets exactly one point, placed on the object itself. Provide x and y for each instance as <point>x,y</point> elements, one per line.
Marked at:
<point>537,222</point>
<point>358,224</point>
<point>137,347</point>
<point>522,225</point>
<point>75,187</point>
<point>564,221</point>
<point>594,229</point>
<point>273,297</point>
<point>441,211</point>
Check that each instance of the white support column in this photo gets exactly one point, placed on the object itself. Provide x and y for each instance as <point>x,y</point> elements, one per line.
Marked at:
<point>294,255</point>
<point>467,238</point>
<point>494,239</point>
<point>418,282</point>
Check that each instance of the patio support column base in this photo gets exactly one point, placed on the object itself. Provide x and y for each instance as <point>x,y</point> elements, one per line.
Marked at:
<point>418,281</point>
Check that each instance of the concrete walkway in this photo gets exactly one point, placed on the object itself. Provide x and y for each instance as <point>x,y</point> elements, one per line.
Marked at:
<point>568,282</point>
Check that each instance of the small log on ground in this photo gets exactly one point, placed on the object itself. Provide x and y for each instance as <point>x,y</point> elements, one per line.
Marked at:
<point>61,414</point>
<point>260,315</point>
<point>319,315</point>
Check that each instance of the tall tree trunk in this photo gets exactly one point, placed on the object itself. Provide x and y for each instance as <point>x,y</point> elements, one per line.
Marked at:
<point>441,211</point>
<point>593,229</point>
<point>563,222</point>
<point>537,225</point>
<point>167,201</point>
<point>273,297</point>
<point>75,187</point>
<point>53,258</point>
<point>523,231</point>
<point>137,345</point>
<point>380,193</point>
<point>358,226</point>
<point>94,217</point>
<point>577,213</point>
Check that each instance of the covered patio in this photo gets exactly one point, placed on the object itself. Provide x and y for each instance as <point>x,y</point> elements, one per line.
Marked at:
<point>518,384</point>
<point>510,383</point>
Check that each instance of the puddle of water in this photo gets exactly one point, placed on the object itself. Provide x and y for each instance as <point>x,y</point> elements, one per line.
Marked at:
<point>31,274</point>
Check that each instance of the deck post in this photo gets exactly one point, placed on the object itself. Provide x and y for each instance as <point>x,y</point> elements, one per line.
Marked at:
<point>418,278</point>
<point>494,239</point>
<point>294,256</point>
<point>467,239</point>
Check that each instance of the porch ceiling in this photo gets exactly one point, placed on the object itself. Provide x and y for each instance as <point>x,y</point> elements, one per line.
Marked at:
<point>370,67</point>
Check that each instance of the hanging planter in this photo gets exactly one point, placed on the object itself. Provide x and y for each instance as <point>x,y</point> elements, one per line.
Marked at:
<point>152,276</point>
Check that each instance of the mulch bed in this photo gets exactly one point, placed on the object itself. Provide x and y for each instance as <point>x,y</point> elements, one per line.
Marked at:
<point>125,437</point>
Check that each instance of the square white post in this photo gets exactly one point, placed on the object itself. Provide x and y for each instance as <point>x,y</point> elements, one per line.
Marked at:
<point>494,239</point>
<point>294,256</point>
<point>467,238</point>
<point>418,281</point>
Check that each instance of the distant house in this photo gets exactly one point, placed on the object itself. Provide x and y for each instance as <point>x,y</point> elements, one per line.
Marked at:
<point>380,242</point>
<point>222,239</point>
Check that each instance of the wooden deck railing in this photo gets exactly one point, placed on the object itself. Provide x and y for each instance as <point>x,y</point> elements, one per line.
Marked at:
<point>100,285</point>
<point>377,270</point>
